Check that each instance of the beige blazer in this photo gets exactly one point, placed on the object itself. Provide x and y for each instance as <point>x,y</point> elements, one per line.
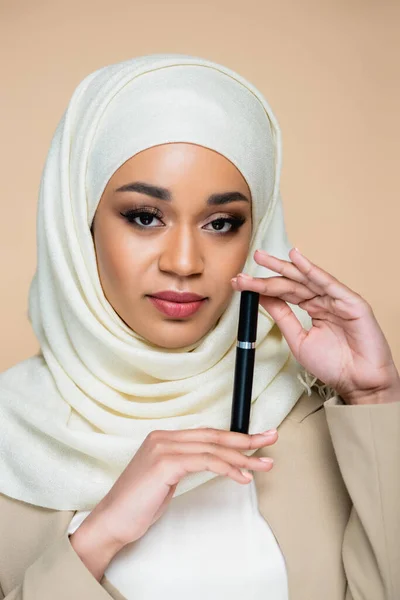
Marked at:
<point>332,500</point>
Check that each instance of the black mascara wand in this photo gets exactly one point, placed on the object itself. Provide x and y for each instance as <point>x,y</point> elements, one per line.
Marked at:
<point>244,364</point>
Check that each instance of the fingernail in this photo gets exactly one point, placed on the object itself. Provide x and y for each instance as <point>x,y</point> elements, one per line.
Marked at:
<point>297,250</point>
<point>263,252</point>
<point>234,280</point>
<point>269,432</point>
<point>245,276</point>
<point>266,459</point>
<point>247,474</point>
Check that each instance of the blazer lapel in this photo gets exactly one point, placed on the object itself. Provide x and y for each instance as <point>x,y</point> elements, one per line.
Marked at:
<point>304,501</point>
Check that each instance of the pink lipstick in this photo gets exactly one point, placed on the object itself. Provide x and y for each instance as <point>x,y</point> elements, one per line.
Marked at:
<point>177,304</point>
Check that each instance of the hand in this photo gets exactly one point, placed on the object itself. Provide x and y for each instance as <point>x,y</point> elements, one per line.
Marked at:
<point>142,492</point>
<point>345,347</point>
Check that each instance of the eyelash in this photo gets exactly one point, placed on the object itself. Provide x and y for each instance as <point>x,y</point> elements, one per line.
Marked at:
<point>131,214</point>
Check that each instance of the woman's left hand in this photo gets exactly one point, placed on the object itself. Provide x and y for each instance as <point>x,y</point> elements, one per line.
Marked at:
<point>345,347</point>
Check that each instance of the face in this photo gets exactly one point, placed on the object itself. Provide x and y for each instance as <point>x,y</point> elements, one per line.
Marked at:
<point>175,218</point>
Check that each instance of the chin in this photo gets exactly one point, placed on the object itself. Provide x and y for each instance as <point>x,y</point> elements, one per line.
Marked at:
<point>174,336</point>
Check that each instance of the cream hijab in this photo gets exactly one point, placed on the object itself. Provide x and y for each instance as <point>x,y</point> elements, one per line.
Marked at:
<point>74,415</point>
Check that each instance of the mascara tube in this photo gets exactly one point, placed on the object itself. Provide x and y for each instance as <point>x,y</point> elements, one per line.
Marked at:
<point>244,364</point>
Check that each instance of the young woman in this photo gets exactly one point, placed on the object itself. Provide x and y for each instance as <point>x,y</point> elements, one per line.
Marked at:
<point>159,202</point>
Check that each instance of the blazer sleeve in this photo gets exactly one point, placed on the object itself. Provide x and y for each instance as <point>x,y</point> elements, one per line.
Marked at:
<point>60,573</point>
<point>366,440</point>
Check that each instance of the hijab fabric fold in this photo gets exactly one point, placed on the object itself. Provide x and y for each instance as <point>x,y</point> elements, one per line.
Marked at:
<point>74,415</point>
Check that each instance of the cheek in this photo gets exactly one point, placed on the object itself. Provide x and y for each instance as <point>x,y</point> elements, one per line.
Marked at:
<point>227,264</point>
<point>116,260</point>
<point>236,259</point>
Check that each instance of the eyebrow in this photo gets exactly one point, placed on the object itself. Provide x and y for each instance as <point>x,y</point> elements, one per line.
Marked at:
<point>164,194</point>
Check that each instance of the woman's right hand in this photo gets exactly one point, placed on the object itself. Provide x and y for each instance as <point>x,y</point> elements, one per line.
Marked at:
<point>144,489</point>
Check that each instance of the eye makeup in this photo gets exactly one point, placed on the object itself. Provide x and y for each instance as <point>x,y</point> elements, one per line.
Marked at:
<point>149,213</point>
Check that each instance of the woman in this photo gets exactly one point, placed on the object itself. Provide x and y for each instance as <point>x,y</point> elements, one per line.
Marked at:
<point>119,475</point>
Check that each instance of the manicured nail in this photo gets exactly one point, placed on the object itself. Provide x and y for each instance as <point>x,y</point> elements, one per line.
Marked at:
<point>297,250</point>
<point>266,459</point>
<point>269,432</point>
<point>247,475</point>
<point>245,276</point>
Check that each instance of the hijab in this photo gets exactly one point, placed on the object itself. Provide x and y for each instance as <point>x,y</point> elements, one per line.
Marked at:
<point>74,415</point>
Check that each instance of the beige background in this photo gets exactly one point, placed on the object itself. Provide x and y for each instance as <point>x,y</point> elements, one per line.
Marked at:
<point>329,69</point>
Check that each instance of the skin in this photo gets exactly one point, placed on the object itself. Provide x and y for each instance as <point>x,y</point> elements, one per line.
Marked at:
<point>345,346</point>
<point>185,252</point>
<point>181,249</point>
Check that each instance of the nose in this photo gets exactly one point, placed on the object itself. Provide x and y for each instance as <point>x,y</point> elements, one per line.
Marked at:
<point>181,254</point>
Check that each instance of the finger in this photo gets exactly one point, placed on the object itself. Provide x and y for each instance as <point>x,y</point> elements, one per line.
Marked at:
<point>235,457</point>
<point>288,323</point>
<point>284,267</point>
<point>317,312</point>
<point>234,439</point>
<point>173,467</point>
<point>179,466</point>
<point>325,280</point>
<point>343,310</point>
<point>286,289</point>
<point>324,304</point>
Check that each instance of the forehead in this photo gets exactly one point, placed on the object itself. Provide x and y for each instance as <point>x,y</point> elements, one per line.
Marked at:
<point>183,164</point>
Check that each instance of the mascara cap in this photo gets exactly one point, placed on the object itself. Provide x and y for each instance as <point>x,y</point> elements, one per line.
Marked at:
<point>247,331</point>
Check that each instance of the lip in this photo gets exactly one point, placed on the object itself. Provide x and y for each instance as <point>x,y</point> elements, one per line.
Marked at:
<point>177,304</point>
<point>172,296</point>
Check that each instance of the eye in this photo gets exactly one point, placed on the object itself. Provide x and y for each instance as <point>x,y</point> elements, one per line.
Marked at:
<point>226,224</point>
<point>146,217</point>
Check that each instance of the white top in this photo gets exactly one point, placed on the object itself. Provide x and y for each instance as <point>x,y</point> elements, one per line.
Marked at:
<point>211,543</point>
